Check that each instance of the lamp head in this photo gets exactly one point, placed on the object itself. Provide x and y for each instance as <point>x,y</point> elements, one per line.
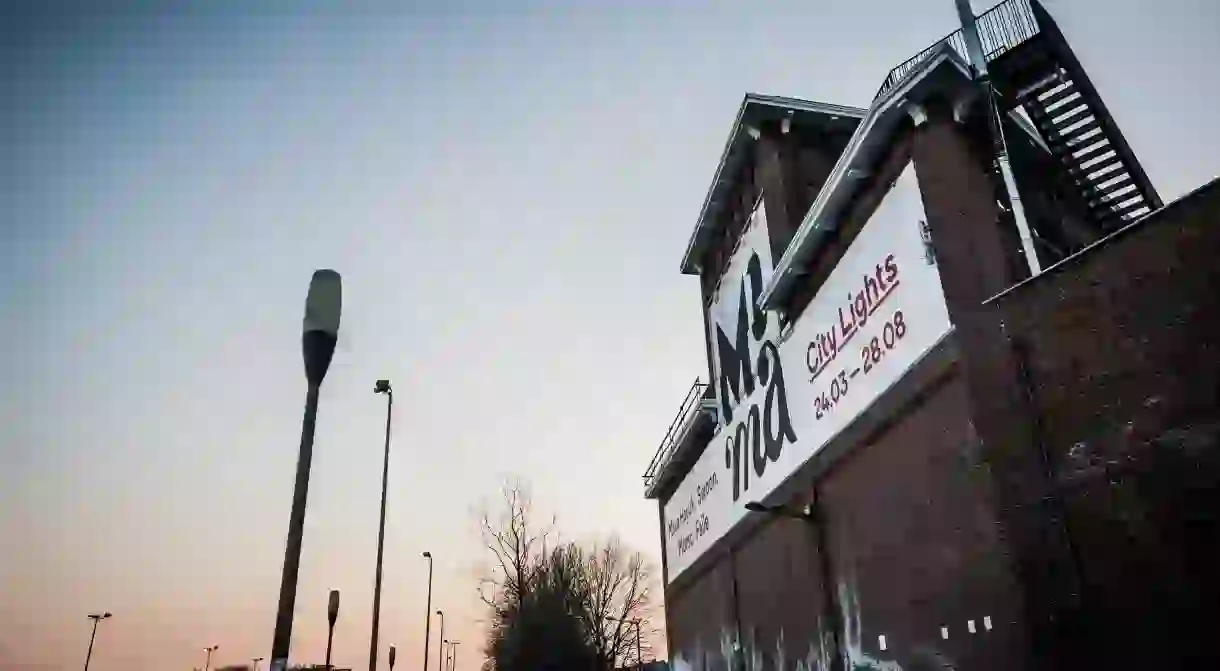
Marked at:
<point>320,330</point>
<point>382,387</point>
<point>428,555</point>
<point>393,652</point>
<point>324,303</point>
<point>756,507</point>
<point>332,608</point>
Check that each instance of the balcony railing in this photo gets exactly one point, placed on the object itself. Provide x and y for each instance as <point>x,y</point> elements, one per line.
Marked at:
<point>669,444</point>
<point>1001,28</point>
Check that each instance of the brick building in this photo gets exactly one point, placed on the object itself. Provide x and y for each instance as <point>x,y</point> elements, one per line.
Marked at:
<point>963,410</point>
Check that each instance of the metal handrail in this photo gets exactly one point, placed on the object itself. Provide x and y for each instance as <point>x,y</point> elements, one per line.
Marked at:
<point>1001,28</point>
<point>669,443</point>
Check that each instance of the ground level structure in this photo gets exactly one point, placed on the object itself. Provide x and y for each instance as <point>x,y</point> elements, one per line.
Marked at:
<point>964,405</point>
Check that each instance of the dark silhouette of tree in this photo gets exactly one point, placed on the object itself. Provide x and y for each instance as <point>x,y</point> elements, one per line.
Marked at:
<point>544,629</point>
<point>566,607</point>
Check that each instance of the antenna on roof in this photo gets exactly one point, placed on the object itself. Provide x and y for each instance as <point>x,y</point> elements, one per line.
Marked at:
<point>970,33</point>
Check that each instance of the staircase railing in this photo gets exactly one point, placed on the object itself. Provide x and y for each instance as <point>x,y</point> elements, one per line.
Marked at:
<point>1001,28</point>
<point>665,451</point>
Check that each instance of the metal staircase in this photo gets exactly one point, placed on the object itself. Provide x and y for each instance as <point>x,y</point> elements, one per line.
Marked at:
<point>1031,66</point>
<point>1043,76</point>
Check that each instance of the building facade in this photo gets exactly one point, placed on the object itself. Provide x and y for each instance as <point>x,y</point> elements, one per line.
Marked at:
<point>965,398</point>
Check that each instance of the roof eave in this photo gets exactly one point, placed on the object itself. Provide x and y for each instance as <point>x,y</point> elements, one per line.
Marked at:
<point>738,136</point>
<point>943,71</point>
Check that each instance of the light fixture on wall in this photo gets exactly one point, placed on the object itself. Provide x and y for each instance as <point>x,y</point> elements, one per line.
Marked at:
<point>806,513</point>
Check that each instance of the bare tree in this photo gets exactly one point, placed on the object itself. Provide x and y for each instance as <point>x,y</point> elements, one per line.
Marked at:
<point>619,592</point>
<point>518,548</point>
<point>567,606</point>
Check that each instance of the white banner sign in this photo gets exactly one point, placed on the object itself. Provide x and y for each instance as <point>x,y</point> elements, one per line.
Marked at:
<point>738,329</point>
<point>881,309</point>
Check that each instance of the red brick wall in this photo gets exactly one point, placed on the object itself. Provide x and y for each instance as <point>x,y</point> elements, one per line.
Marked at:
<point>914,543</point>
<point>1120,346</point>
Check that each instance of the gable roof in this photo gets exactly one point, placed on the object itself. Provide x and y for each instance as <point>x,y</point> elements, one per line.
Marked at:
<point>755,109</point>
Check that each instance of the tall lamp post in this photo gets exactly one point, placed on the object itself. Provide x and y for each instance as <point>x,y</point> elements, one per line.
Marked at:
<point>256,660</point>
<point>453,655</point>
<point>210,649</point>
<point>392,651</point>
<point>428,614</point>
<point>96,617</point>
<point>332,616</point>
<point>382,387</point>
<point>441,652</point>
<point>323,305</point>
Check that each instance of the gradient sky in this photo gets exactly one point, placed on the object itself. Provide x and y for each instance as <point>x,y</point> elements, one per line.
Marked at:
<point>507,189</point>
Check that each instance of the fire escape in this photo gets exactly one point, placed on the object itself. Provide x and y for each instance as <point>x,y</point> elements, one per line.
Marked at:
<point>1032,67</point>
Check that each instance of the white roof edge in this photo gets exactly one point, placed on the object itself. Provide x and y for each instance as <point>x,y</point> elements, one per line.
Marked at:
<point>772,101</point>
<point>833,195</point>
<point>724,156</point>
<point>806,105</point>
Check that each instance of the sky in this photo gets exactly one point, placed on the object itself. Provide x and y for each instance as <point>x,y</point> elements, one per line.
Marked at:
<point>506,188</point>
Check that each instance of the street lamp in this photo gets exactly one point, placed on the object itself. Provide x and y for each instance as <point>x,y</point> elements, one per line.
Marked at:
<point>392,651</point>
<point>210,649</point>
<point>332,615</point>
<point>382,387</point>
<point>453,654</point>
<point>639,655</point>
<point>320,332</point>
<point>441,652</point>
<point>428,613</point>
<point>256,660</point>
<point>96,617</point>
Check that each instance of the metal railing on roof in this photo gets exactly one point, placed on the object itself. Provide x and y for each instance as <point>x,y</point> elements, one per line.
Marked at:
<point>1001,28</point>
<point>665,451</point>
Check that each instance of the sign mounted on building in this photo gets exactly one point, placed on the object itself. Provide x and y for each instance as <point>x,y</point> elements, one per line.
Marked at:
<point>879,312</point>
<point>738,330</point>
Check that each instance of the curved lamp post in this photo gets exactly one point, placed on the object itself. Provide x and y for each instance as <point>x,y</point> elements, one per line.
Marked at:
<point>323,305</point>
<point>382,387</point>
<point>332,616</point>
<point>428,614</point>
<point>256,660</point>
<point>210,649</point>
<point>96,617</point>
